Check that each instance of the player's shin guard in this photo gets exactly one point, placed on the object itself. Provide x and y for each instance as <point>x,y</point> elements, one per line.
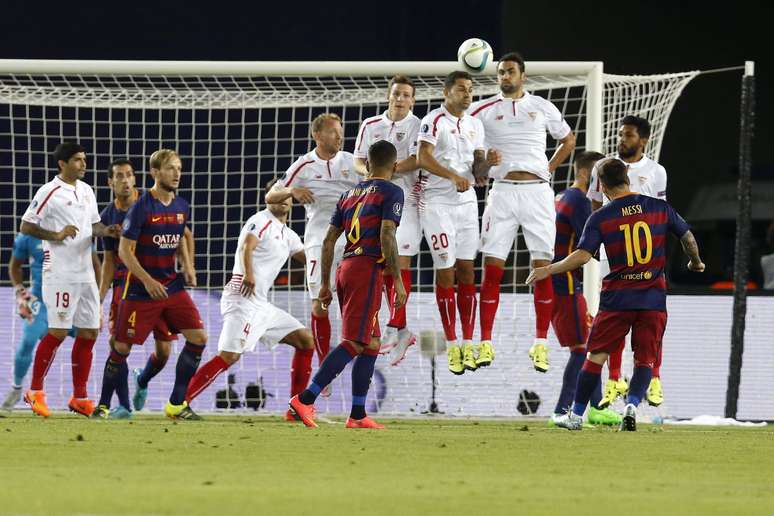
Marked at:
<point>398,315</point>
<point>44,356</point>
<point>446,307</point>
<point>466,302</point>
<point>187,363</point>
<point>333,364</point>
<point>362,371</point>
<point>614,363</point>
<point>490,299</point>
<point>321,333</point>
<point>543,297</point>
<point>300,370</point>
<point>569,381</point>
<point>204,377</point>
<point>588,381</point>
<point>115,372</point>
<point>81,364</point>
<point>639,384</point>
<point>153,366</point>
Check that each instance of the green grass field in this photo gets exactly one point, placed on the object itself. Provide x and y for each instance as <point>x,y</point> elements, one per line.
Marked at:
<point>261,465</point>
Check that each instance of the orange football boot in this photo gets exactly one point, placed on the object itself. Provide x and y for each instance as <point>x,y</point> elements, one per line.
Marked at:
<point>366,422</point>
<point>82,406</point>
<point>37,402</point>
<point>305,413</point>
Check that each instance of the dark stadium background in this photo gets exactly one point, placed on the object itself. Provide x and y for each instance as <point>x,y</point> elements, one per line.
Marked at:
<point>634,37</point>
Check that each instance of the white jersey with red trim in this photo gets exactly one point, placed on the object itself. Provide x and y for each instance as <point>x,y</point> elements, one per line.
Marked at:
<point>403,135</point>
<point>646,177</point>
<point>517,129</point>
<point>276,243</point>
<point>58,204</point>
<point>327,179</point>
<point>455,140</point>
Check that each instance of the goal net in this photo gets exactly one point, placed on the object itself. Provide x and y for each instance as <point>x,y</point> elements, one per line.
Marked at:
<point>237,126</point>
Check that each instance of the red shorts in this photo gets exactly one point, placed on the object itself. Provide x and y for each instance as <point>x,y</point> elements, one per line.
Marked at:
<point>359,288</point>
<point>571,320</point>
<point>161,332</point>
<point>610,328</point>
<point>136,319</point>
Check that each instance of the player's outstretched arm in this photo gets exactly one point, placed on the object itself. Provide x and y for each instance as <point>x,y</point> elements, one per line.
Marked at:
<point>326,262</point>
<point>279,193</point>
<point>562,152</point>
<point>407,165</point>
<point>482,162</point>
<point>185,253</point>
<point>126,248</point>
<point>691,249</point>
<point>248,281</point>
<point>97,265</point>
<point>98,229</point>
<point>31,229</point>
<point>299,257</point>
<point>390,252</point>
<point>427,161</point>
<point>577,258</point>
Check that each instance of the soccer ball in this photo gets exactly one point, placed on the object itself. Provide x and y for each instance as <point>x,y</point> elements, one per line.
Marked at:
<point>474,55</point>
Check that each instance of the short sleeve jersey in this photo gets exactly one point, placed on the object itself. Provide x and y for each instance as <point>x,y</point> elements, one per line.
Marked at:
<point>157,229</point>
<point>454,140</point>
<point>30,249</point>
<point>517,128</point>
<point>360,212</point>
<point>58,204</point>
<point>645,177</point>
<point>327,179</point>
<point>633,230</point>
<point>276,243</point>
<point>572,211</point>
<point>403,135</point>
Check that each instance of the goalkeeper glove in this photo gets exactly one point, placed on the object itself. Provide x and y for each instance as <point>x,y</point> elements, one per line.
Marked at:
<point>23,301</point>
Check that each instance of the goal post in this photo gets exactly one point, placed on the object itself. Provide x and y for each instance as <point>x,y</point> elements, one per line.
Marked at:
<point>237,125</point>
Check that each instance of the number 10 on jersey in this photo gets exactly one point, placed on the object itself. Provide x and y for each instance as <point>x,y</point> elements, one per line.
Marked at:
<point>633,243</point>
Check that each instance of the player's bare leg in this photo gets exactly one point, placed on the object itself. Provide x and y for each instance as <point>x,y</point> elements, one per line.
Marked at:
<point>187,363</point>
<point>397,338</point>
<point>447,308</point>
<point>44,356</point>
<point>543,298</point>
<point>466,304</point>
<point>156,362</point>
<point>490,300</point>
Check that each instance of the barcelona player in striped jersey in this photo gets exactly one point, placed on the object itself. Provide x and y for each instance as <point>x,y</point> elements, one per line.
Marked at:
<point>153,290</point>
<point>570,318</point>
<point>369,215</point>
<point>633,229</point>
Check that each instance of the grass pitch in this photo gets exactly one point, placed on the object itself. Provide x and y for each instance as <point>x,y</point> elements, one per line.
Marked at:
<point>261,465</point>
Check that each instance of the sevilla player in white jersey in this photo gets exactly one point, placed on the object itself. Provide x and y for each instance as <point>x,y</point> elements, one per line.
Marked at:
<point>646,177</point>
<point>317,179</point>
<point>265,244</point>
<point>64,215</point>
<point>516,123</point>
<point>451,158</point>
<point>399,126</point>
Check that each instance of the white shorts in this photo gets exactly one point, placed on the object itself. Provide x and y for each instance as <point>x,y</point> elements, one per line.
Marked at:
<point>409,233</point>
<point>313,267</point>
<point>451,232</point>
<point>71,304</point>
<point>510,205</point>
<point>245,322</point>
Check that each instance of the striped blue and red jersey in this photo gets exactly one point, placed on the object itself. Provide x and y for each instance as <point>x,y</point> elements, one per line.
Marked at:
<point>360,212</point>
<point>157,229</point>
<point>112,214</point>
<point>634,230</point>
<point>572,210</point>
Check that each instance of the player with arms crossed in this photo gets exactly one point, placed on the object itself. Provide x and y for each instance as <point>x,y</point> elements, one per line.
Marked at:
<point>121,180</point>
<point>30,307</point>
<point>647,178</point>
<point>570,318</point>
<point>451,156</point>
<point>317,179</point>
<point>633,229</point>
<point>368,214</point>
<point>64,215</point>
<point>399,126</point>
<point>516,123</point>
<point>265,244</point>
<point>153,290</point>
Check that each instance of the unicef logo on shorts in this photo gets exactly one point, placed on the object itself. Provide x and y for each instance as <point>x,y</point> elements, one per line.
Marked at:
<point>396,208</point>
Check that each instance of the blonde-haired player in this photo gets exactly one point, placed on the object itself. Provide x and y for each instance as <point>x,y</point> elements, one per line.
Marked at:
<point>317,179</point>
<point>399,126</point>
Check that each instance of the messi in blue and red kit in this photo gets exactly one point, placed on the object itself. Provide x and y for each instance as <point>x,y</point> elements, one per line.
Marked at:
<point>633,229</point>
<point>157,229</point>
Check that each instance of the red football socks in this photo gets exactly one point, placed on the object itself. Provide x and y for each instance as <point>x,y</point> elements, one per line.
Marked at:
<point>321,332</point>
<point>300,370</point>
<point>466,302</point>
<point>81,364</point>
<point>447,308</point>
<point>44,357</point>
<point>544,306</point>
<point>490,299</point>
<point>204,377</point>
